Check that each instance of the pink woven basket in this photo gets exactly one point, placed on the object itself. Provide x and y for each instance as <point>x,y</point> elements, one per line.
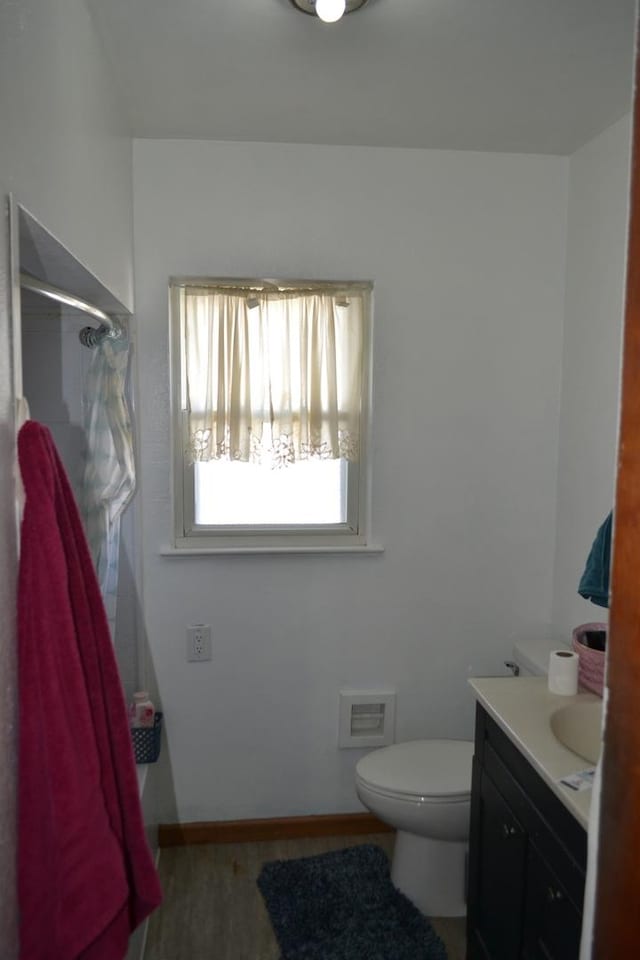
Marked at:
<point>591,662</point>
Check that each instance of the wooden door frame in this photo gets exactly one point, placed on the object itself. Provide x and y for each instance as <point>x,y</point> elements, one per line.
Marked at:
<point>617,917</point>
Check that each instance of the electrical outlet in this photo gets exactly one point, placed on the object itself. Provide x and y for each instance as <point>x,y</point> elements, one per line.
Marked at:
<point>199,642</point>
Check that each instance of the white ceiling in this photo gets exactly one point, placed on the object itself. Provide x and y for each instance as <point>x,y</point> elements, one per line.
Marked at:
<point>539,76</point>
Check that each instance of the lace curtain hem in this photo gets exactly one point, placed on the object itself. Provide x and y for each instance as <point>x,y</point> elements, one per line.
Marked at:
<point>281,451</point>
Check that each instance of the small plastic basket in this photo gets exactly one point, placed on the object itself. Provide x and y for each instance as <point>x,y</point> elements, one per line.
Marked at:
<point>591,662</point>
<point>146,741</point>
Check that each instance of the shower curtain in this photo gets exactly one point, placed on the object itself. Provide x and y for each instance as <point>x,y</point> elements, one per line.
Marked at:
<point>109,474</point>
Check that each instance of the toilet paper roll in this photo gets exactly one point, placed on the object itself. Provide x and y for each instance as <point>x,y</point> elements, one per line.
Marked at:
<point>563,672</point>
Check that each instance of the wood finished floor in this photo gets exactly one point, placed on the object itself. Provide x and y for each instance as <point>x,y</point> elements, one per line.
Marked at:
<point>213,910</point>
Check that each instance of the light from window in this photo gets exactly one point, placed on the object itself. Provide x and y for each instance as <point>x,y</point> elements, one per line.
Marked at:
<point>230,493</point>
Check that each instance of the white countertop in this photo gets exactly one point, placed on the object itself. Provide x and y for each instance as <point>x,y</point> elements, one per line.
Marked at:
<point>522,708</point>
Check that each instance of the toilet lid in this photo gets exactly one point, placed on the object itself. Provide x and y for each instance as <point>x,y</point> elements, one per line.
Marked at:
<point>426,768</point>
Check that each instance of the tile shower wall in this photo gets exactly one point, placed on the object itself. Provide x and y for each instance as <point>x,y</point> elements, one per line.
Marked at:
<point>54,368</point>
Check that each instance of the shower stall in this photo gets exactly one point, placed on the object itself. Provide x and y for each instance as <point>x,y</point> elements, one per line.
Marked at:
<point>77,382</point>
<point>73,348</point>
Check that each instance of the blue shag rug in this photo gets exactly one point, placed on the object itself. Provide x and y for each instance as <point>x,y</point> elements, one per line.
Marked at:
<point>343,906</point>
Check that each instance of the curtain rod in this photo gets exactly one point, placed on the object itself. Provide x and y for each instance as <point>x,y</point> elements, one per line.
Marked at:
<point>89,336</point>
<point>54,293</point>
<point>270,286</point>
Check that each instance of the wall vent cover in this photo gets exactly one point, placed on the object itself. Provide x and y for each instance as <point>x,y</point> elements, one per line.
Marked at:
<point>367,718</point>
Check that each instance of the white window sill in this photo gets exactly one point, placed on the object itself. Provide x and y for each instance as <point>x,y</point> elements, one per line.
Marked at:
<point>174,553</point>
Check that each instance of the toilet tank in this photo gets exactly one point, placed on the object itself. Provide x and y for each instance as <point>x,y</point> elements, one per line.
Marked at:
<point>531,653</point>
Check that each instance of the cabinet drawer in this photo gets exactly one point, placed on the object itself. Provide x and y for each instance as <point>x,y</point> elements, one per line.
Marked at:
<point>552,924</point>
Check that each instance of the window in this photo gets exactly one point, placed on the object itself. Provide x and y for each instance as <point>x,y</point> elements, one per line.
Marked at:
<point>270,395</point>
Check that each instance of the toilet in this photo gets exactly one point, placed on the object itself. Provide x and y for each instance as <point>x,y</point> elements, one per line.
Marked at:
<point>423,789</point>
<point>531,652</point>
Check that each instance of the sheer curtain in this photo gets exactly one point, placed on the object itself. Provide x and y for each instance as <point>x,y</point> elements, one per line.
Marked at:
<point>272,374</point>
<point>109,475</point>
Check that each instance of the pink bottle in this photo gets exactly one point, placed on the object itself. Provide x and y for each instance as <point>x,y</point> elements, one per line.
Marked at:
<point>141,712</point>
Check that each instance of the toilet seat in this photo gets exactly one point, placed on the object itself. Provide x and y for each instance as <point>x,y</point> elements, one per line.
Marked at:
<point>417,798</point>
<point>427,771</point>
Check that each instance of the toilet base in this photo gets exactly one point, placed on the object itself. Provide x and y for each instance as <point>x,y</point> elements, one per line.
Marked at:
<point>431,873</point>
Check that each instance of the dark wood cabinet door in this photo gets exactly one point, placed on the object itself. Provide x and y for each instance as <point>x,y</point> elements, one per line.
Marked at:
<point>527,859</point>
<point>498,888</point>
<point>552,922</point>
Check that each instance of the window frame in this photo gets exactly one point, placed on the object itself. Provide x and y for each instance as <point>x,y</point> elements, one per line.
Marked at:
<point>188,537</point>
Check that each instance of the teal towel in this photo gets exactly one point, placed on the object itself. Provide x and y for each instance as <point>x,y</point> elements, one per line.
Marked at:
<point>594,583</point>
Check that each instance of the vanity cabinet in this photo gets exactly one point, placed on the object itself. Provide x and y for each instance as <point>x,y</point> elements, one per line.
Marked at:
<point>527,858</point>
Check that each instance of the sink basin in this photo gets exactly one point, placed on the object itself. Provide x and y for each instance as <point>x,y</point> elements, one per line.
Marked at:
<point>578,726</point>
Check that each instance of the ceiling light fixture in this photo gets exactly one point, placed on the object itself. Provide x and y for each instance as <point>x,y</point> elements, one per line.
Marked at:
<point>329,11</point>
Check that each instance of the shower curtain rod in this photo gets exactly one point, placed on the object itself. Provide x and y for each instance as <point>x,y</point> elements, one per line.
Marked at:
<point>54,293</point>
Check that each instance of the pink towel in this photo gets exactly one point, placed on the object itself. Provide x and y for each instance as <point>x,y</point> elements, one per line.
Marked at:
<point>86,878</point>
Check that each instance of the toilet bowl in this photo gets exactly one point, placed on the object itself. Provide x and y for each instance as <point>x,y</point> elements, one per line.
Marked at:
<point>423,789</point>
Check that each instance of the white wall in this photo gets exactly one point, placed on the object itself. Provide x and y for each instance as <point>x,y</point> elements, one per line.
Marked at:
<point>596,257</point>
<point>467,254</point>
<point>65,151</point>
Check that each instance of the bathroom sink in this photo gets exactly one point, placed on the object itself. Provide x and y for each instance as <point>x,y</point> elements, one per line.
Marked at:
<point>578,726</point>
